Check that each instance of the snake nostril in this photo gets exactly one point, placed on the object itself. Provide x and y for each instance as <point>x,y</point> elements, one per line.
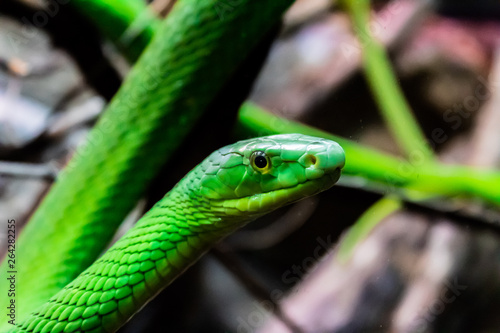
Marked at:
<point>310,160</point>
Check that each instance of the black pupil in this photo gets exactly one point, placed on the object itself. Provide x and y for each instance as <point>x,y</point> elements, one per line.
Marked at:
<point>260,162</point>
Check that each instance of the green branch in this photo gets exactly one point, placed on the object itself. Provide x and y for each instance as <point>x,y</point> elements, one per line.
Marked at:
<point>435,178</point>
<point>365,224</point>
<point>384,86</point>
<point>129,24</point>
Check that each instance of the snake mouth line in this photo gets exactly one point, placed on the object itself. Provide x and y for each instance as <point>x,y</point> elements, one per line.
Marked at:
<point>328,180</point>
<point>325,182</point>
<point>264,201</point>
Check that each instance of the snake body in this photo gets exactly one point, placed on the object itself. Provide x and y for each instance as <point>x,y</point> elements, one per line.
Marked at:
<point>192,55</point>
<point>230,188</point>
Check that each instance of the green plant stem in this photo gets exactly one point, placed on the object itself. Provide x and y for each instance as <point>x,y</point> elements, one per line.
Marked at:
<point>129,24</point>
<point>435,178</point>
<point>383,83</point>
<point>365,224</point>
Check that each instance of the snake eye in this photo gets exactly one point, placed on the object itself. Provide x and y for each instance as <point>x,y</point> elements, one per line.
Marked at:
<point>260,162</point>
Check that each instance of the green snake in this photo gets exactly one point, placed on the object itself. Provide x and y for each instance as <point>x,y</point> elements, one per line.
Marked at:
<point>178,75</point>
<point>194,53</point>
<point>230,188</point>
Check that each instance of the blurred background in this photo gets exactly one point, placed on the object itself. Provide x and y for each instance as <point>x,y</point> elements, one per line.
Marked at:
<point>418,270</point>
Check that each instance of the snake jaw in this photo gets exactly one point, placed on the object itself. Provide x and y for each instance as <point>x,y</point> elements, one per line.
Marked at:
<point>263,203</point>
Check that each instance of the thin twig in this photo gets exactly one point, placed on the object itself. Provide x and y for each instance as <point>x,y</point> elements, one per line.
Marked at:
<point>254,286</point>
<point>489,218</point>
<point>14,169</point>
<point>162,7</point>
<point>87,111</point>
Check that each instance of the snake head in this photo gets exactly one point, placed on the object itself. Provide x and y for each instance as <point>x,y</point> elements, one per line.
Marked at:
<point>255,176</point>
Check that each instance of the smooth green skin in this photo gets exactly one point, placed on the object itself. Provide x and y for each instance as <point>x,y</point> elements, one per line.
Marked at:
<point>176,78</point>
<point>223,193</point>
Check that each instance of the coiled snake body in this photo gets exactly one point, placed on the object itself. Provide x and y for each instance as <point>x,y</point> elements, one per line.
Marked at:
<point>233,186</point>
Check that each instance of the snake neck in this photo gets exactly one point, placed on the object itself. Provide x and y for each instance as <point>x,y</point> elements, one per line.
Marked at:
<point>187,204</point>
<point>165,242</point>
